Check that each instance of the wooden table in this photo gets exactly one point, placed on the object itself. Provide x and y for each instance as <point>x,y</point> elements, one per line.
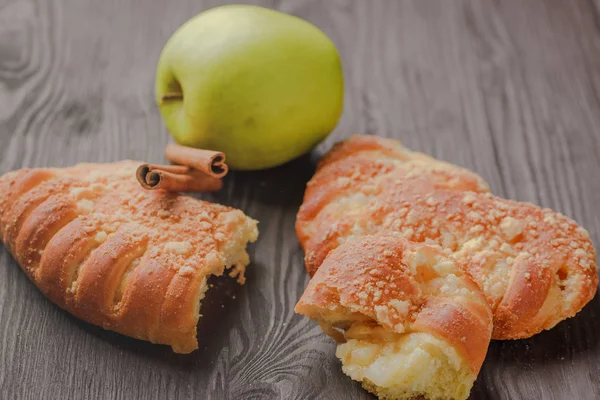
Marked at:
<point>509,89</point>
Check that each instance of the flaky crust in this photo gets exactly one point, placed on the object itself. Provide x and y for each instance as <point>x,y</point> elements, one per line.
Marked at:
<point>118,256</point>
<point>403,287</point>
<point>536,267</point>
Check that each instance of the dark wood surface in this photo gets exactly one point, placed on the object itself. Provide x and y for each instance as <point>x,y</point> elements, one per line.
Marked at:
<point>510,89</point>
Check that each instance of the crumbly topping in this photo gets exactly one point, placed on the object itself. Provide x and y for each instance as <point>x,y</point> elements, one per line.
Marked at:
<point>447,207</point>
<point>181,230</point>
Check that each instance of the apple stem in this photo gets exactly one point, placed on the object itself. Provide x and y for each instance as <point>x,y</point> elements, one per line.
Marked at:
<point>172,96</point>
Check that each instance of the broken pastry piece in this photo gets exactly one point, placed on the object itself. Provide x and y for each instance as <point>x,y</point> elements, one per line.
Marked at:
<point>409,321</point>
<point>115,255</point>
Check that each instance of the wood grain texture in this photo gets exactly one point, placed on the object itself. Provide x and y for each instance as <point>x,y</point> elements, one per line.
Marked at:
<point>509,89</point>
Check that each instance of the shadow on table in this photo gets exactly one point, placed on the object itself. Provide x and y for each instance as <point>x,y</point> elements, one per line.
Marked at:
<point>279,186</point>
<point>218,312</point>
<point>560,344</point>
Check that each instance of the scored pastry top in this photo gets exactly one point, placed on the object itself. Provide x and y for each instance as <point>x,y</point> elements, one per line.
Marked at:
<point>116,255</point>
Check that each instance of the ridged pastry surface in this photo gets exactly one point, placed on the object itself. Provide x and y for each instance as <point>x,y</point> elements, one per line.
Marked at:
<point>113,254</point>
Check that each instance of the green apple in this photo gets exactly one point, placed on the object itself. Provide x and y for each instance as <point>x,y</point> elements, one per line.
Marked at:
<point>262,86</point>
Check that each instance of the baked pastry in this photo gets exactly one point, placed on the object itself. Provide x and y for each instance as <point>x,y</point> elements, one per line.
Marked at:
<point>409,321</point>
<point>118,256</point>
<point>355,172</point>
<point>535,266</point>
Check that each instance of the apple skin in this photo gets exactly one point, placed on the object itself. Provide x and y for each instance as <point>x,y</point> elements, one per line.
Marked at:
<point>261,86</point>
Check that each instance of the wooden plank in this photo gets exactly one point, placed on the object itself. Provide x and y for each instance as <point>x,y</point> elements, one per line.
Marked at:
<point>509,89</point>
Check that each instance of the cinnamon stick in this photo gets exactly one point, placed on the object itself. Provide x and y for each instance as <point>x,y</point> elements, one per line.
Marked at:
<point>176,178</point>
<point>210,162</point>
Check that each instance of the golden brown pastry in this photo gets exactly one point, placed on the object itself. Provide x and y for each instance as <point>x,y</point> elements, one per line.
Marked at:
<point>535,266</point>
<point>118,256</point>
<point>410,322</point>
